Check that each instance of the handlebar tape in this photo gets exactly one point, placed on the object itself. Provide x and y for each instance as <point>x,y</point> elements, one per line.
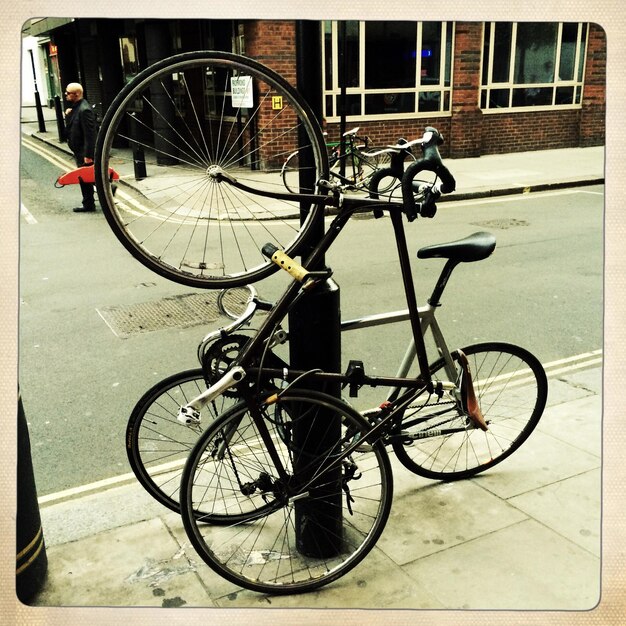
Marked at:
<point>433,159</point>
<point>432,162</point>
<point>285,262</point>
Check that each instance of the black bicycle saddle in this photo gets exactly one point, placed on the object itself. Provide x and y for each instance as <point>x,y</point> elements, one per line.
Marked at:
<point>475,247</point>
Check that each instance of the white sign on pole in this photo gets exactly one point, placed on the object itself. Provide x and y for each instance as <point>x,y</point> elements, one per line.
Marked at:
<point>241,89</point>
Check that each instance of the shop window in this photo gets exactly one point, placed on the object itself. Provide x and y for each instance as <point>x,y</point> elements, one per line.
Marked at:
<point>532,64</point>
<point>392,69</point>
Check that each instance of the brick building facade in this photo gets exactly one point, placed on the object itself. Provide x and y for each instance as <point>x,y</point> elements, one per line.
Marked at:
<point>89,51</point>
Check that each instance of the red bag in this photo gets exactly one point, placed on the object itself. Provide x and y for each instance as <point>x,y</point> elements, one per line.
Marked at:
<point>85,174</point>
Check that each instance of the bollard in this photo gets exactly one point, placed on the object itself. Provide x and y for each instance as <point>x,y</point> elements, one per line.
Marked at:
<point>60,115</point>
<point>139,158</point>
<point>39,108</point>
<point>31,561</point>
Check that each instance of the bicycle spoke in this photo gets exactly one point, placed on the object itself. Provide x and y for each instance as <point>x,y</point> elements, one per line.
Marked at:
<point>511,388</point>
<point>262,547</point>
<point>179,122</point>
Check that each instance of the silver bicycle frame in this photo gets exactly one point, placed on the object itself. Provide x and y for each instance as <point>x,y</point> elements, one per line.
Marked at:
<point>427,321</point>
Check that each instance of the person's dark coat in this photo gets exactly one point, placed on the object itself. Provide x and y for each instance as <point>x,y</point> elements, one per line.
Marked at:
<point>81,130</point>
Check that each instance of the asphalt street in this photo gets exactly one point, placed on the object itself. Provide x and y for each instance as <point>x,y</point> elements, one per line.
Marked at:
<point>79,380</point>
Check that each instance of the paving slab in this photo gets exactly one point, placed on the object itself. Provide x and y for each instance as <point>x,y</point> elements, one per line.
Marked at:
<point>542,460</point>
<point>571,507</point>
<point>137,565</point>
<point>522,567</point>
<point>433,518</point>
<point>578,423</point>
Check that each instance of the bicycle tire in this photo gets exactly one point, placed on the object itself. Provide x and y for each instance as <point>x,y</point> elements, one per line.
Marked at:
<point>178,121</point>
<point>512,390</point>
<point>230,470</point>
<point>157,444</point>
<point>290,173</point>
<point>386,183</point>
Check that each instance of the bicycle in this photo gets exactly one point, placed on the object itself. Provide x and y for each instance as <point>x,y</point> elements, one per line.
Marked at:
<point>359,160</point>
<point>286,461</point>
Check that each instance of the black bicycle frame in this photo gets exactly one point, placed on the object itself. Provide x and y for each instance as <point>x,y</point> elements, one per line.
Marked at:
<point>294,291</point>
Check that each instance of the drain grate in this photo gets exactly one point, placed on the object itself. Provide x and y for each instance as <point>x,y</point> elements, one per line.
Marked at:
<point>502,223</point>
<point>177,311</point>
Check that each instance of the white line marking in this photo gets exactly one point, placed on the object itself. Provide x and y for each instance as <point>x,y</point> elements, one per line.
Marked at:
<point>28,216</point>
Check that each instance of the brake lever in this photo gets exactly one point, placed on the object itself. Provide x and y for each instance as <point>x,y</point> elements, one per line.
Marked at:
<point>428,208</point>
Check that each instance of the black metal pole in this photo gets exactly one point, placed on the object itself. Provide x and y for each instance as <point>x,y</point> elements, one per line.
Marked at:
<point>315,342</point>
<point>60,115</point>
<point>342,78</point>
<point>40,119</point>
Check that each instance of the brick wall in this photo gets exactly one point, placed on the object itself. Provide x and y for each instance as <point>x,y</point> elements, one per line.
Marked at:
<point>466,124</point>
<point>468,132</point>
<point>273,43</point>
<point>384,133</point>
<point>592,122</point>
<point>519,132</point>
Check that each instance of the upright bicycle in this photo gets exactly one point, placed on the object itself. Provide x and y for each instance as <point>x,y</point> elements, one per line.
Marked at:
<point>352,163</point>
<point>290,488</point>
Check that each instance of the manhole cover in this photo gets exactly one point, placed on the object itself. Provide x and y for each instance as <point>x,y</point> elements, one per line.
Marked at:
<point>502,223</point>
<point>176,311</point>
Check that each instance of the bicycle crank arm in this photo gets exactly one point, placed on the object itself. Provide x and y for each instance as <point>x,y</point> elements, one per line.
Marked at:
<point>190,412</point>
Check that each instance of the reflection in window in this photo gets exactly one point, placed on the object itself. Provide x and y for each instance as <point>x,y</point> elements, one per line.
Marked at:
<point>128,51</point>
<point>390,54</point>
<point>393,69</point>
<point>532,64</point>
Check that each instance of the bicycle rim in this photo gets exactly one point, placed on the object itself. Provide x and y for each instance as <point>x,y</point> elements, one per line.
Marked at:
<point>157,444</point>
<point>174,134</point>
<point>511,387</point>
<point>297,530</point>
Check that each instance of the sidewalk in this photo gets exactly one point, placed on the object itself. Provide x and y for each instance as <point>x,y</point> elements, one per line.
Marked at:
<point>523,536</point>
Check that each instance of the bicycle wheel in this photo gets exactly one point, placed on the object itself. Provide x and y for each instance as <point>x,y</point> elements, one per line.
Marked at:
<point>370,164</point>
<point>441,443</point>
<point>157,444</point>
<point>290,173</point>
<point>293,518</point>
<point>178,134</point>
<point>385,183</point>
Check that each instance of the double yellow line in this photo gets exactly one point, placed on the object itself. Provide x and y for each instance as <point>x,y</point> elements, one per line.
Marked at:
<point>39,149</point>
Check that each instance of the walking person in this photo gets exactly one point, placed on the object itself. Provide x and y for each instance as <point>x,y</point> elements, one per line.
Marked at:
<point>80,123</point>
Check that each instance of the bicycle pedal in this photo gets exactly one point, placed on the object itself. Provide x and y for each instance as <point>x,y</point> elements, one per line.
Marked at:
<point>188,416</point>
<point>355,376</point>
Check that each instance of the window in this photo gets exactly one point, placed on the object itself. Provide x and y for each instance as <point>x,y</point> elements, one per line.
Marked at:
<point>393,69</point>
<point>128,52</point>
<point>532,64</point>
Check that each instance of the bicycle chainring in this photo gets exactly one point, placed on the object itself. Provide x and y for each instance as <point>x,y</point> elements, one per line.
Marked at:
<point>220,356</point>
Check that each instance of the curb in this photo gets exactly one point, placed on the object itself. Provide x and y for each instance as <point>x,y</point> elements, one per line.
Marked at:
<point>523,189</point>
<point>456,196</point>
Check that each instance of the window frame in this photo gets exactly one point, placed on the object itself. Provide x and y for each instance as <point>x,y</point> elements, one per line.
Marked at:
<point>444,87</point>
<point>577,83</point>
